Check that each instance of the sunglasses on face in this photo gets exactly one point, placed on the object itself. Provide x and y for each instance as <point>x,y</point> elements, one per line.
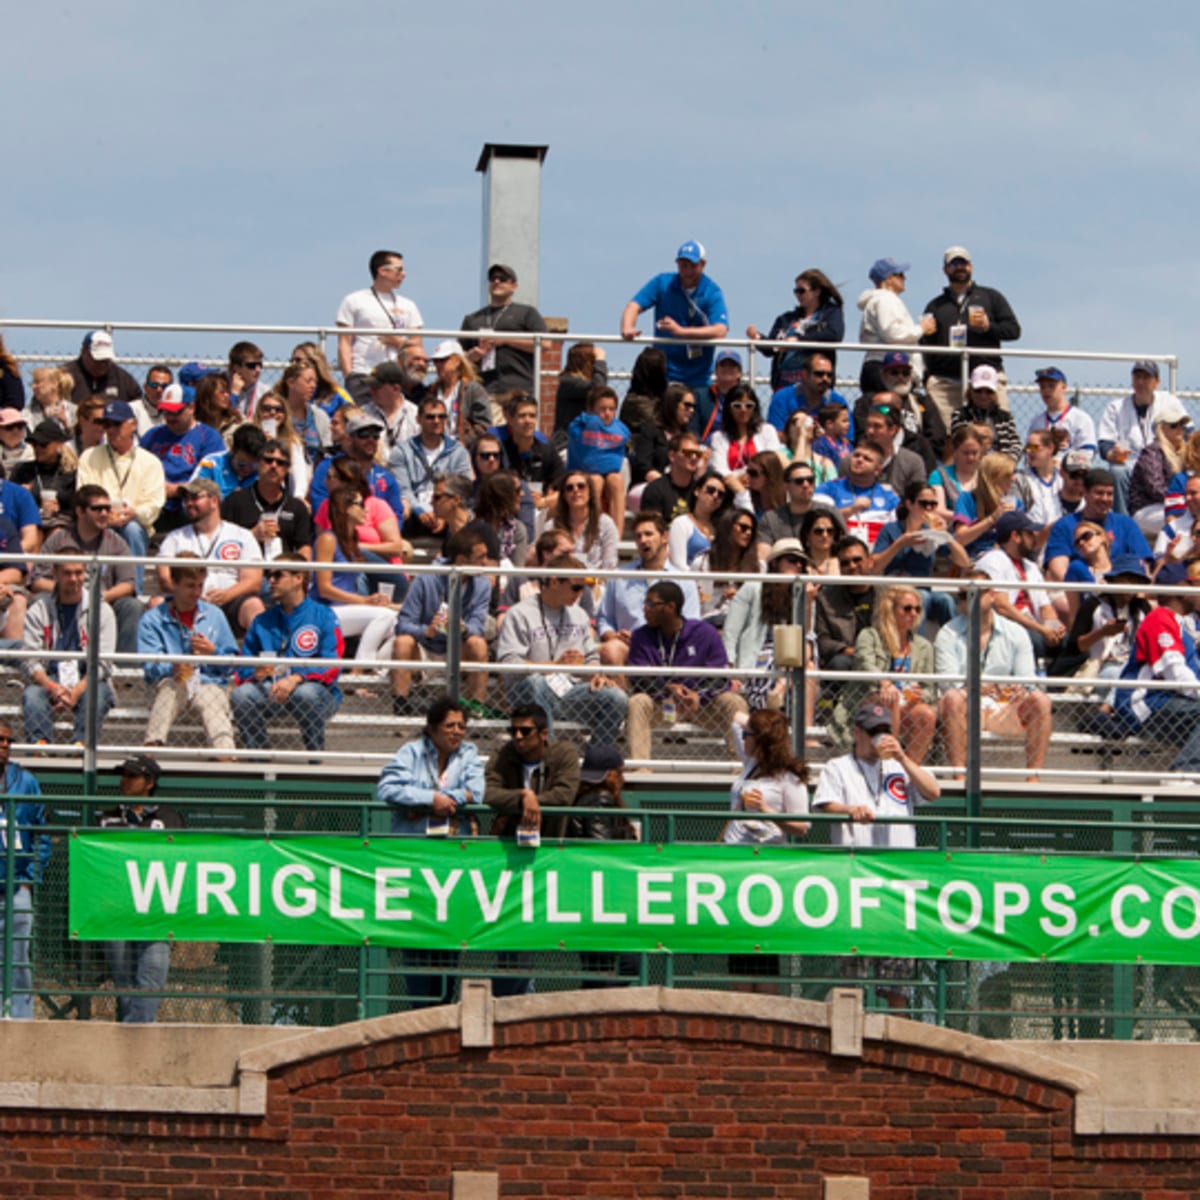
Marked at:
<point>251,366</point>
<point>743,404</point>
<point>488,455</point>
<point>433,416</point>
<point>754,473</point>
<point>800,480</point>
<point>99,508</point>
<point>366,435</point>
<point>1084,537</point>
<point>713,491</point>
<point>821,531</point>
<point>275,576</point>
<point>909,608</point>
<point>820,374</point>
<point>792,560</point>
<point>274,462</point>
<point>1076,474</point>
<point>744,528</point>
<point>522,731</point>
<point>846,563</point>
<point>927,503</point>
<point>154,386</point>
<point>690,453</point>
<point>576,487</point>
<point>270,410</point>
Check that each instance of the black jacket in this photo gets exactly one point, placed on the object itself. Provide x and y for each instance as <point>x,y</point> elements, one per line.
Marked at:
<point>948,310</point>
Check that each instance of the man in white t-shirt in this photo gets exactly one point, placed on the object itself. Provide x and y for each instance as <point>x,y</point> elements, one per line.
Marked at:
<point>1059,413</point>
<point>1012,561</point>
<point>378,307</point>
<point>876,779</point>
<point>229,553</point>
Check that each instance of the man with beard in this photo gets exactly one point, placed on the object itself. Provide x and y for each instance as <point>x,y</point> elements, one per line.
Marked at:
<point>919,416</point>
<point>967,315</point>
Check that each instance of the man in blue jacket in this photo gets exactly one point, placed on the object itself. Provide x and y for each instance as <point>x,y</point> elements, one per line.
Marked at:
<point>420,460</point>
<point>688,306</point>
<point>427,783</point>
<point>293,627</point>
<point>189,628</point>
<point>32,855</point>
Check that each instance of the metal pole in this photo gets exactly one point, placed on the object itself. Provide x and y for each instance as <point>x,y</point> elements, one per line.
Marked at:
<point>799,675</point>
<point>454,634</point>
<point>10,893</point>
<point>537,374</point>
<point>974,711</point>
<point>91,700</point>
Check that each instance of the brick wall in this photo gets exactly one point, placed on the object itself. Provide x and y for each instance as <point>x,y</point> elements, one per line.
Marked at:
<point>613,1104</point>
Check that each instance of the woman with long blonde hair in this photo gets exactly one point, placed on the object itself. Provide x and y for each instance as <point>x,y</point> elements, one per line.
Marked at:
<point>272,417</point>
<point>329,396</point>
<point>976,513</point>
<point>1157,465</point>
<point>890,645</point>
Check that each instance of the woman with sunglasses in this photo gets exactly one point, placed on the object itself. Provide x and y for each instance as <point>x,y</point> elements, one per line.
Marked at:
<point>1157,465</point>
<point>891,645</point>
<point>817,317</point>
<point>734,552</point>
<point>89,431</point>
<point>742,435</point>
<point>271,416</point>
<point>821,530</point>
<point>1090,562</point>
<point>578,512</point>
<point>1039,475</point>
<point>649,445</point>
<point>764,488</point>
<point>915,544</point>
<point>693,533</point>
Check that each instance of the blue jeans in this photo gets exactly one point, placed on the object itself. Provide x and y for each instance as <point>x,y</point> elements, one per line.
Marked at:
<point>603,711</point>
<point>138,967</point>
<point>310,706</point>
<point>139,547</point>
<point>39,713</point>
<point>22,937</point>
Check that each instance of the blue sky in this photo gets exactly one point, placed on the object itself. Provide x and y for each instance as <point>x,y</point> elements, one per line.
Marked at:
<point>238,162</point>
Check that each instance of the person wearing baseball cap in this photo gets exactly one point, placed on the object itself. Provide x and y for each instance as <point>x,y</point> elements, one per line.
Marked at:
<point>690,309</point>
<point>1013,560</point>
<point>504,364</point>
<point>95,371</point>
<point>455,384</point>
<point>132,477</point>
<point>1059,414</point>
<point>1163,650</point>
<point>1128,426</point>
<point>181,444</point>
<point>14,448</point>
<point>139,969</point>
<point>886,320</point>
<point>966,314</point>
<point>982,407</point>
<point>230,552</point>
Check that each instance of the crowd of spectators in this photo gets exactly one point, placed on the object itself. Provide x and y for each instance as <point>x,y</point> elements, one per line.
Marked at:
<point>442,456</point>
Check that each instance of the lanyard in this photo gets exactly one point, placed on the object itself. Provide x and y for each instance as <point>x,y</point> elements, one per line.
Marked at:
<point>112,459</point>
<point>386,311</point>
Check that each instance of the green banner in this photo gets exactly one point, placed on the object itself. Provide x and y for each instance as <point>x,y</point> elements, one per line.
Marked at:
<point>487,895</point>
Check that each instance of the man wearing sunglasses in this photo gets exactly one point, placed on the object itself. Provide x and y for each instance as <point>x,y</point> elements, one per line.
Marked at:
<point>421,459</point>
<point>280,522</point>
<point>530,772</point>
<point>809,395</point>
<point>298,628</point>
<point>504,363</point>
<point>668,495</point>
<point>158,379</point>
<point>786,520</point>
<point>89,533</point>
<point>363,433</point>
<point>246,387</point>
<point>553,628</point>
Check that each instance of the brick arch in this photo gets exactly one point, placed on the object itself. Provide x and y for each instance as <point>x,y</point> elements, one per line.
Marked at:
<point>660,1092</point>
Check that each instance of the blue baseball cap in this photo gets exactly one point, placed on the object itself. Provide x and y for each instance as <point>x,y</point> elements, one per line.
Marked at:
<point>692,252</point>
<point>1127,565</point>
<point>729,356</point>
<point>884,268</point>
<point>191,373</point>
<point>1050,373</point>
<point>896,358</point>
<point>1172,573</point>
<point>117,410</point>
